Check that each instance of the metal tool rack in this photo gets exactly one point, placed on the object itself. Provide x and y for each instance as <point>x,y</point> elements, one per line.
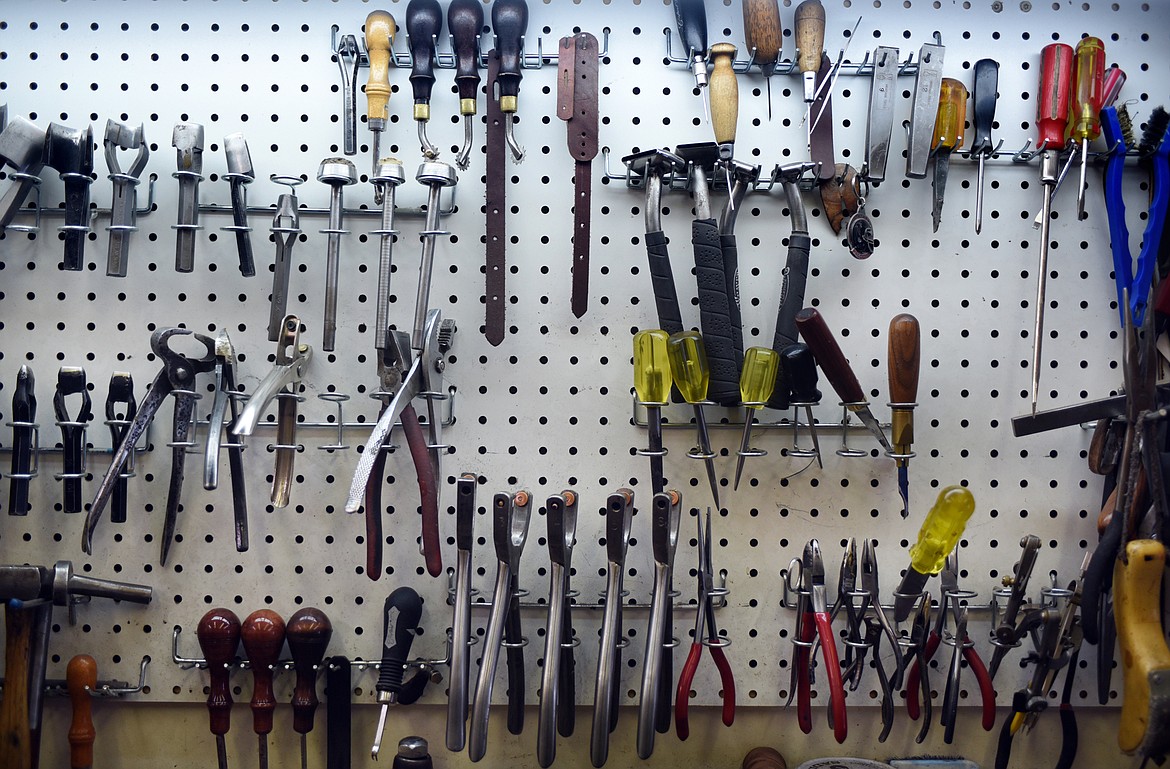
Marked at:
<point>551,407</point>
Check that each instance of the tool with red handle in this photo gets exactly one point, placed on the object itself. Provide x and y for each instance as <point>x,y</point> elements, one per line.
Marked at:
<point>219,638</point>
<point>308,632</point>
<point>80,680</point>
<point>263,636</point>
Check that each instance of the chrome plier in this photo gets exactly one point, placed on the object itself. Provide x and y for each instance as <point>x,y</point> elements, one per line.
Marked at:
<point>461,618</point>
<point>416,372</point>
<point>657,671</point>
<point>177,376</point>
<point>558,679</point>
<point>292,358</point>
<point>225,399</point>
<point>619,512</point>
<point>869,583</point>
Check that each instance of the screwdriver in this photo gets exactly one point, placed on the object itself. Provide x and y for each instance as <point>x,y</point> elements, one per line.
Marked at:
<point>938,536</point>
<point>903,353</point>
<point>400,616</point>
<point>692,28</point>
<point>510,22</point>
<point>308,632</point>
<point>688,368</point>
<point>424,23</point>
<point>809,27</point>
<point>984,96</point>
<point>1051,118</point>
<point>799,372</point>
<point>464,22</point>
<point>380,31</point>
<point>219,637</point>
<point>80,680</point>
<point>652,382</point>
<point>756,383</point>
<point>1088,88</point>
<point>948,137</point>
<point>764,36</point>
<point>263,637</point>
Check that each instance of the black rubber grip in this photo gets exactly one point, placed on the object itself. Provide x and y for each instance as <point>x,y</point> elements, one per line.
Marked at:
<point>464,22</point>
<point>730,251</point>
<point>986,85</point>
<point>513,635</point>
<point>510,22</point>
<point>424,22</point>
<point>662,279</point>
<point>1099,578</point>
<point>400,616</point>
<point>338,695</point>
<point>795,276</point>
<point>714,315</point>
<point>692,25</point>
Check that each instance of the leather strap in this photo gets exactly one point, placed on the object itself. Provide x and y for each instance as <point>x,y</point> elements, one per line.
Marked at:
<point>497,181</point>
<point>577,106</point>
<point>822,132</point>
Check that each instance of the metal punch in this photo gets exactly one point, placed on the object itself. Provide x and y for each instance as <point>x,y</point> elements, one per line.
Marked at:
<point>666,511</point>
<point>226,396</point>
<point>240,174</point>
<point>461,638</point>
<point>286,227</point>
<point>123,209</point>
<point>187,139</point>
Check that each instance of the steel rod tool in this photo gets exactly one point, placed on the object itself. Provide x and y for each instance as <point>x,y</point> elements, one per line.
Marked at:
<point>338,173</point>
<point>461,639</point>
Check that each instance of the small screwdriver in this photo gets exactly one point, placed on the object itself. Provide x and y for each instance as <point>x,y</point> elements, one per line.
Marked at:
<point>756,382</point>
<point>764,36</point>
<point>809,28</point>
<point>400,616</point>
<point>652,382</point>
<point>1088,88</point>
<point>984,96</point>
<point>263,636</point>
<point>688,368</point>
<point>308,632</point>
<point>948,137</point>
<point>800,377</point>
<point>938,536</point>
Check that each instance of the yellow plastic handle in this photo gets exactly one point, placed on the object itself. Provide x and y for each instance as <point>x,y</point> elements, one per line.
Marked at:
<point>952,115</point>
<point>758,379</point>
<point>1088,83</point>
<point>941,530</point>
<point>380,31</point>
<point>652,378</point>
<point>1137,591</point>
<point>688,365</point>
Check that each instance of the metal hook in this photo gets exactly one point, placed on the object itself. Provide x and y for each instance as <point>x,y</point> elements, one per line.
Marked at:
<point>112,689</point>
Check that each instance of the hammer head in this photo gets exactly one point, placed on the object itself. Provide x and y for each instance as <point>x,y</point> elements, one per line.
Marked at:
<point>187,140</point>
<point>239,160</point>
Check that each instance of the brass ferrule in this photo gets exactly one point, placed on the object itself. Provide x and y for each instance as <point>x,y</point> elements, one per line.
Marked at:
<point>507,104</point>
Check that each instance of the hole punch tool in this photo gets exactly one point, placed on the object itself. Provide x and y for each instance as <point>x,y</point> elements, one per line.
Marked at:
<point>619,512</point>
<point>510,517</point>
<point>121,394</point>
<point>225,397</point>
<point>286,227</point>
<point>71,381</point>
<point>658,667</point>
<point>70,152</point>
<point>558,678</point>
<point>124,208</point>
<point>187,139</point>
<point>464,22</point>
<point>292,358</point>
<point>177,377</point>
<point>705,621</point>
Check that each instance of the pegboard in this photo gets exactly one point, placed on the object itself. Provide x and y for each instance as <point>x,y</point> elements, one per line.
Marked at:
<point>551,407</point>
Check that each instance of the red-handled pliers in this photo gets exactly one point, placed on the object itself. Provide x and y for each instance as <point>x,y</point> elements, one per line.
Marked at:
<point>814,574</point>
<point>798,683</point>
<point>704,615</point>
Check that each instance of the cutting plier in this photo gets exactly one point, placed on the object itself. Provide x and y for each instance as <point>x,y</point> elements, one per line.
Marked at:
<point>709,637</point>
<point>177,376</point>
<point>225,400</point>
<point>292,358</point>
<point>917,654</point>
<point>869,584</point>
<point>814,575</point>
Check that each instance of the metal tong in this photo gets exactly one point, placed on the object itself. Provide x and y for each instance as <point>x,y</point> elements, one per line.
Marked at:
<point>124,208</point>
<point>461,621</point>
<point>619,512</point>
<point>666,513</point>
<point>225,397</point>
<point>557,681</point>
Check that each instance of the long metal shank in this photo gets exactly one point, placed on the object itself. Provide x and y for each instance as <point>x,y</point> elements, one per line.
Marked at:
<point>618,519</point>
<point>461,619</point>
<point>666,517</point>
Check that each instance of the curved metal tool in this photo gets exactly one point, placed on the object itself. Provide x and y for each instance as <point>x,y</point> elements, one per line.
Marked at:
<point>510,527</point>
<point>869,583</point>
<point>666,515</point>
<point>618,519</point>
<point>225,388</point>
<point>461,621</point>
<point>291,359</point>
<point>557,680</point>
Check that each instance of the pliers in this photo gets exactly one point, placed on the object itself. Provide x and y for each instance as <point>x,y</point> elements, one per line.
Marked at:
<point>176,376</point>
<point>964,650</point>
<point>814,575</point>
<point>292,358</point>
<point>705,615</point>
<point>917,653</point>
<point>225,392</point>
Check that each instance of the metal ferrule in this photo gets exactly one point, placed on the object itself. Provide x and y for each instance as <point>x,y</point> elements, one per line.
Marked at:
<point>508,104</point>
<point>467,107</point>
<point>422,111</point>
<point>902,428</point>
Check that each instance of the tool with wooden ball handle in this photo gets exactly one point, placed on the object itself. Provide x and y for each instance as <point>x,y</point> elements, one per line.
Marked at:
<point>764,36</point>
<point>380,32</point>
<point>464,22</point>
<point>263,636</point>
<point>904,353</point>
<point>80,680</point>
<point>308,633</point>
<point>219,638</point>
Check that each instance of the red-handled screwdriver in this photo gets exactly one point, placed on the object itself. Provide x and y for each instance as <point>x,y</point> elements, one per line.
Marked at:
<point>263,637</point>
<point>219,637</point>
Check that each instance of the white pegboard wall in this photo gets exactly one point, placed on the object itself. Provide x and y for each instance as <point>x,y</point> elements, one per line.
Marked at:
<point>550,408</point>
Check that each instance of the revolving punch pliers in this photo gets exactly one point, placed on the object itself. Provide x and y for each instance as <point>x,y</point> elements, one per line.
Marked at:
<point>225,399</point>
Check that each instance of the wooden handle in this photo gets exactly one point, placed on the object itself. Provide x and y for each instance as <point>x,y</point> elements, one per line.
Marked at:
<point>380,31</point>
<point>263,637</point>
<point>424,23</point>
<point>827,352</point>
<point>80,677</point>
<point>219,637</point>
<point>15,740</point>
<point>308,633</point>
<point>510,23</point>
<point>763,30</point>
<point>724,91</point>
<point>809,25</point>
<point>904,349</point>
<point>763,757</point>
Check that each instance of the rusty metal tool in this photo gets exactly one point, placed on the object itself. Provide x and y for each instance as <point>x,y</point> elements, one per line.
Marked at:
<point>240,174</point>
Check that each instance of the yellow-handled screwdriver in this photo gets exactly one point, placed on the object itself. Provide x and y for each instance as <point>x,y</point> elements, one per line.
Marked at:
<point>940,532</point>
<point>688,367</point>
<point>1088,87</point>
<point>948,137</point>
<point>652,381</point>
<point>756,382</point>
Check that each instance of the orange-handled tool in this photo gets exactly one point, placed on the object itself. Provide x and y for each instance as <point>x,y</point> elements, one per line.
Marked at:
<point>80,679</point>
<point>1085,124</point>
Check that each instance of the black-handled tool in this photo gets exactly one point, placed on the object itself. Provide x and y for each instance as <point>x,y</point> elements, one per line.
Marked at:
<point>24,415</point>
<point>400,616</point>
<point>71,381</point>
<point>424,23</point>
<point>692,28</point>
<point>984,94</point>
<point>338,699</point>
<point>510,23</point>
<point>652,165</point>
<point>465,22</point>
<point>70,152</point>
